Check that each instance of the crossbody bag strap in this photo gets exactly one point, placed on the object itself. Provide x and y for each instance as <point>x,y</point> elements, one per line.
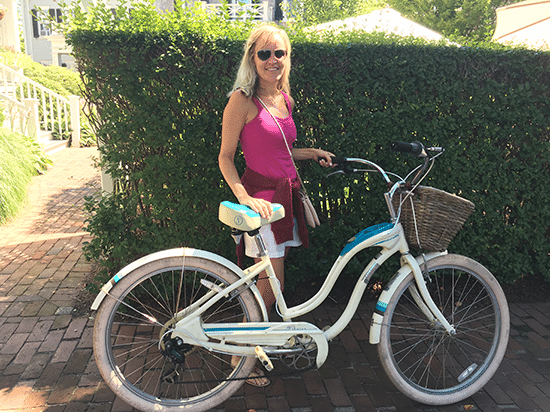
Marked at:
<point>286,143</point>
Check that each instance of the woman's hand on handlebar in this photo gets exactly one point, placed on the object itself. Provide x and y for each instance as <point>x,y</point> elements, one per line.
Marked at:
<point>323,157</point>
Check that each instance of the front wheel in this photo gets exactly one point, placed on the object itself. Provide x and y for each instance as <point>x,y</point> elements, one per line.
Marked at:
<point>143,363</point>
<point>421,358</point>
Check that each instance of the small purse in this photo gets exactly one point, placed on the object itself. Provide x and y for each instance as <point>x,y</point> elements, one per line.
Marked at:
<point>310,214</point>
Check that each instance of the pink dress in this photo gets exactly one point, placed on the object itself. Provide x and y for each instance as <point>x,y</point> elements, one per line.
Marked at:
<point>264,150</point>
<point>266,154</point>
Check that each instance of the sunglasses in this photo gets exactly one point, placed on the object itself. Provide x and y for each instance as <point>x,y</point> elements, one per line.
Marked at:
<point>265,54</point>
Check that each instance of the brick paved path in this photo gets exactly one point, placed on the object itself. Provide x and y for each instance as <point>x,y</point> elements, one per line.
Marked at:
<point>46,361</point>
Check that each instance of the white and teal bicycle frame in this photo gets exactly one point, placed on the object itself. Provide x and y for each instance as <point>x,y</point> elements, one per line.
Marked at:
<point>268,338</point>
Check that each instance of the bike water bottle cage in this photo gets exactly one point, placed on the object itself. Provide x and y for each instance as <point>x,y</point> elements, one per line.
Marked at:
<point>243,218</point>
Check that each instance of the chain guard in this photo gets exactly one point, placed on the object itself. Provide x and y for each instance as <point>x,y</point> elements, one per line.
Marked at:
<point>295,364</point>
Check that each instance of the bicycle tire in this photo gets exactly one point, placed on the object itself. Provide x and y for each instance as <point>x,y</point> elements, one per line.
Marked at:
<point>421,359</point>
<point>137,358</point>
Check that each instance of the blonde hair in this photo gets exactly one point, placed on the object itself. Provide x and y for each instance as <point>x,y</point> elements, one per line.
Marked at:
<point>247,78</point>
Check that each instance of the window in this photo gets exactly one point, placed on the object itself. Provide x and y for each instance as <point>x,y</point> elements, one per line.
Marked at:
<point>39,28</point>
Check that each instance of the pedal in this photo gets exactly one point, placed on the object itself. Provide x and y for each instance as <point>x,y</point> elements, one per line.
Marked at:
<point>265,361</point>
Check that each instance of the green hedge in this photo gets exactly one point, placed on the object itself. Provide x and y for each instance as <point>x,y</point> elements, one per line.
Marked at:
<point>160,90</point>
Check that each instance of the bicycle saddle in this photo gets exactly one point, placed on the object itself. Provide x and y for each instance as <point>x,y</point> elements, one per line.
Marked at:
<point>243,218</point>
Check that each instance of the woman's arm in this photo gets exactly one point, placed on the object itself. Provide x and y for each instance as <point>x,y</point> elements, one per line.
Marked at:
<point>235,116</point>
<point>321,156</point>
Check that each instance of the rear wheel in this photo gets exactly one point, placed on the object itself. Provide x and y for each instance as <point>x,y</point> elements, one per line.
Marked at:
<point>425,362</point>
<point>139,358</point>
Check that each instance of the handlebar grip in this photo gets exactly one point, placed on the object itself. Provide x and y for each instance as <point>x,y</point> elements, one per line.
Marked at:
<point>414,148</point>
<point>339,160</point>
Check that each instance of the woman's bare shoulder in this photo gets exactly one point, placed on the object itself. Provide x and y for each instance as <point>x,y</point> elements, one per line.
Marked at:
<point>292,101</point>
<point>243,105</point>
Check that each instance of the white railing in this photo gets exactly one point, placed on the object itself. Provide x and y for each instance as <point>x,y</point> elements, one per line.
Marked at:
<point>16,113</point>
<point>33,109</point>
<point>242,11</point>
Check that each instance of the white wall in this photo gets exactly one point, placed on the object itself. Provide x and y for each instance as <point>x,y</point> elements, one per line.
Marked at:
<point>9,27</point>
<point>536,36</point>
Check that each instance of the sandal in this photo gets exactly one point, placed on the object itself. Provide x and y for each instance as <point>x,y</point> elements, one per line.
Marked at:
<point>258,379</point>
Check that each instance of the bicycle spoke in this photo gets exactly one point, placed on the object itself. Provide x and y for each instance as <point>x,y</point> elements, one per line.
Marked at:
<point>143,348</point>
<point>426,359</point>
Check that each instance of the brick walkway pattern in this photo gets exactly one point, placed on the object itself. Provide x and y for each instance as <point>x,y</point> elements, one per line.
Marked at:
<point>46,360</point>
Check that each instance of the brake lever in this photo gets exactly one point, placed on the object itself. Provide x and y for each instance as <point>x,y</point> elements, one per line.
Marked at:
<point>347,171</point>
<point>344,170</point>
<point>336,172</point>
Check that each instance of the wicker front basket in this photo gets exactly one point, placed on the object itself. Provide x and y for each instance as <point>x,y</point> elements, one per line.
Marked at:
<point>439,216</point>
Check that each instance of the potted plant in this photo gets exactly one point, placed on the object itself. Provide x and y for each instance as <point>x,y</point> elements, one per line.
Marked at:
<point>3,11</point>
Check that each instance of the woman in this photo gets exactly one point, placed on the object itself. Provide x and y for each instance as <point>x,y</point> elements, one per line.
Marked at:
<point>270,176</point>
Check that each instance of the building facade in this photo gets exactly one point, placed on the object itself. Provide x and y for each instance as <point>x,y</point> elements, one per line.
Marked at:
<point>48,48</point>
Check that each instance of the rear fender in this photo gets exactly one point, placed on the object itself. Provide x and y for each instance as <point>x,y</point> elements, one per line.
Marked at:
<point>179,252</point>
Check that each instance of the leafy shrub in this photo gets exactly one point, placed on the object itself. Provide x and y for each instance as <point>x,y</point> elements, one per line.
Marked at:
<point>159,83</point>
<point>59,79</point>
<point>20,159</point>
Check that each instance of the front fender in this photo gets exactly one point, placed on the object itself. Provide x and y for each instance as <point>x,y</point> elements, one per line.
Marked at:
<point>179,252</point>
<point>387,293</point>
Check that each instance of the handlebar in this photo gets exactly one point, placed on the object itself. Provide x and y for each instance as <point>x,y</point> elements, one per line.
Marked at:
<point>415,149</point>
<point>338,160</point>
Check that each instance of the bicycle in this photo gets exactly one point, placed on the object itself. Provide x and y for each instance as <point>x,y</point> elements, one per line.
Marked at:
<point>169,324</point>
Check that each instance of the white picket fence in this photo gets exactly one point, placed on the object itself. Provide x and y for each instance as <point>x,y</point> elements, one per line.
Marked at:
<point>34,110</point>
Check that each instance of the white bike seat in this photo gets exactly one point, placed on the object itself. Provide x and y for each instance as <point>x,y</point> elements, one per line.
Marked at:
<point>243,218</point>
